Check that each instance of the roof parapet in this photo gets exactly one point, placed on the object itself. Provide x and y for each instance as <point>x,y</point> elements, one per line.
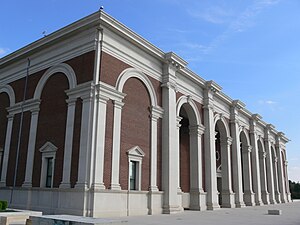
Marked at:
<point>175,60</point>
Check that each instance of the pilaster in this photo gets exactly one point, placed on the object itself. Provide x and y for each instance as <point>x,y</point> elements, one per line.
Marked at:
<point>248,192</point>
<point>236,153</point>
<point>10,121</point>
<point>31,145</point>
<point>269,166</point>
<point>115,180</point>
<point>263,174</point>
<point>228,200</point>
<point>170,156</point>
<point>281,180</point>
<point>85,139</point>
<point>197,200</point>
<point>68,143</point>
<point>209,143</point>
<point>255,160</point>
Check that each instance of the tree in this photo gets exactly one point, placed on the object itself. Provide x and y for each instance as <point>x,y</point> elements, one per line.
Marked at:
<point>295,189</point>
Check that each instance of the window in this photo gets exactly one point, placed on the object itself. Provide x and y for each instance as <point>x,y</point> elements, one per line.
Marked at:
<point>135,158</point>
<point>48,151</point>
<point>49,173</point>
<point>133,175</point>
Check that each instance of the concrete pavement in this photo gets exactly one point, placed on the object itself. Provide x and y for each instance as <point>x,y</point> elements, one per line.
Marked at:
<point>256,215</point>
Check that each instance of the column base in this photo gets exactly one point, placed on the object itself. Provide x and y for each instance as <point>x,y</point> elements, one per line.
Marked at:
<point>153,188</point>
<point>249,198</point>
<point>228,198</point>
<point>198,200</point>
<point>64,185</point>
<point>277,197</point>
<point>259,203</point>
<point>240,205</point>
<point>172,209</point>
<point>96,187</point>
<point>265,197</point>
<point>289,198</point>
<point>27,185</point>
<point>82,186</point>
<point>2,184</point>
<point>115,187</point>
<point>213,206</point>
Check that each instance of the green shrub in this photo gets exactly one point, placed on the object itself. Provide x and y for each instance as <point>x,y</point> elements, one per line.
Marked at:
<point>3,205</point>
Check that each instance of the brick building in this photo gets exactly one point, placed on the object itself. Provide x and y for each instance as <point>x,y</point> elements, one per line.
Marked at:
<point>111,125</point>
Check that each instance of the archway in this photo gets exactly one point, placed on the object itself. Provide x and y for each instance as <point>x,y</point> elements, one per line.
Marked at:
<point>223,163</point>
<point>246,169</point>
<point>263,172</point>
<point>190,131</point>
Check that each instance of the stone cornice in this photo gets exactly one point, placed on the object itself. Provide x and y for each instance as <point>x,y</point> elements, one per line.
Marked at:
<point>212,86</point>
<point>238,104</point>
<point>175,60</point>
<point>29,105</point>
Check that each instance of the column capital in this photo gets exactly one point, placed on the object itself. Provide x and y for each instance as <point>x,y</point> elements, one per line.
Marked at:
<point>178,119</point>
<point>276,159</point>
<point>156,112</point>
<point>10,117</point>
<point>226,141</point>
<point>286,163</point>
<point>170,85</point>
<point>71,101</point>
<point>103,99</point>
<point>118,104</point>
<point>197,129</point>
<point>247,149</point>
<point>263,154</point>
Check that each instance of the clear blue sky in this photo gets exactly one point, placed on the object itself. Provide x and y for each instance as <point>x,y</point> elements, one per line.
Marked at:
<point>250,47</point>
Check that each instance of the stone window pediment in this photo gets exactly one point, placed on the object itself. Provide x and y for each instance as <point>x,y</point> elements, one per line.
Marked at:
<point>136,152</point>
<point>48,147</point>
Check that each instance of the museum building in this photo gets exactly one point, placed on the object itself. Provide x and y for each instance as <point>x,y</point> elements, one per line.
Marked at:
<point>97,121</point>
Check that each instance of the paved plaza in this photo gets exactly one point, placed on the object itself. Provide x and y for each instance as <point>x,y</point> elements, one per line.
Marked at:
<point>255,215</point>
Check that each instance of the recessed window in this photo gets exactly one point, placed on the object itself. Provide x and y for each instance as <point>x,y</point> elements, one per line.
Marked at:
<point>133,175</point>
<point>135,158</point>
<point>49,176</point>
<point>48,151</point>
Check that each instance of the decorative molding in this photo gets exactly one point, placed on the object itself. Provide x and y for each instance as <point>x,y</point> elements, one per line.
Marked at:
<point>175,60</point>
<point>212,86</point>
<point>32,105</point>
<point>10,92</point>
<point>48,147</point>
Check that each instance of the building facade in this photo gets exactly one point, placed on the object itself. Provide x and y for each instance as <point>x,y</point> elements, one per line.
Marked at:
<point>96,121</point>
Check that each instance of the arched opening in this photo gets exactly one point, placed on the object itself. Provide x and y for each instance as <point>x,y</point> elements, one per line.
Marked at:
<point>263,172</point>
<point>223,165</point>
<point>190,155</point>
<point>4,103</point>
<point>245,149</point>
<point>51,128</point>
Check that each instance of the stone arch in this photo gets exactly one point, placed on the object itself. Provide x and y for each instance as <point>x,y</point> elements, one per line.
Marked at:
<point>132,72</point>
<point>224,128</point>
<point>245,137</point>
<point>10,92</point>
<point>192,110</point>
<point>260,145</point>
<point>61,68</point>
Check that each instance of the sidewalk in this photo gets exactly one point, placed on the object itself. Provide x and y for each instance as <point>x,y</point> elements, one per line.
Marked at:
<point>255,215</point>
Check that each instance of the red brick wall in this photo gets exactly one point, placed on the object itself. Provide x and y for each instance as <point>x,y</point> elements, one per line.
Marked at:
<point>135,129</point>
<point>184,155</point>
<point>52,125</point>
<point>111,69</point>
<point>83,66</point>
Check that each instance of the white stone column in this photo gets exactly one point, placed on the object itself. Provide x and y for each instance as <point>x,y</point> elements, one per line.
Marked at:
<point>197,195</point>
<point>115,181</point>
<point>178,125</point>
<point>10,121</point>
<point>263,175</point>
<point>255,160</point>
<point>156,113</point>
<point>248,192</point>
<point>210,148</point>
<point>270,177</point>
<point>98,182</point>
<point>31,147</point>
<point>228,200</point>
<point>289,198</point>
<point>236,154</point>
<point>68,143</point>
<point>170,154</point>
<point>85,142</point>
<point>281,173</point>
<point>276,186</point>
